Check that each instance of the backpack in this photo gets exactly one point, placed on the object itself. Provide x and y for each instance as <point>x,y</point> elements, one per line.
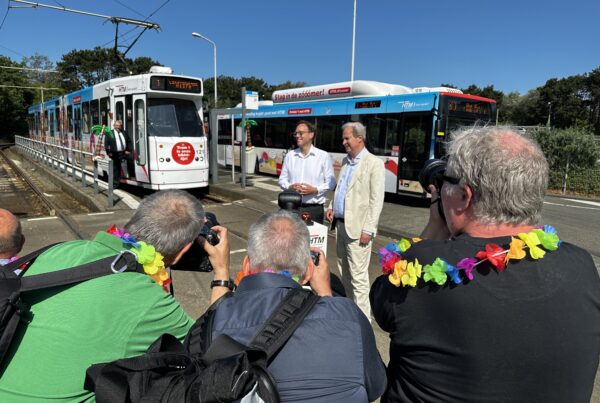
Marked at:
<point>14,309</point>
<point>201,369</point>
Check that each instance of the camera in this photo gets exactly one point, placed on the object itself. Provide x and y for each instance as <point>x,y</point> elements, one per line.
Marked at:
<point>291,201</point>
<point>315,257</point>
<point>431,174</point>
<point>196,259</point>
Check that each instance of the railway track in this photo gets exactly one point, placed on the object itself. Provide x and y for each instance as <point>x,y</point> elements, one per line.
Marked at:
<point>25,198</point>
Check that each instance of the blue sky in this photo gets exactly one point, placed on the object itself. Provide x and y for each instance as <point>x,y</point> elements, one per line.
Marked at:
<point>514,45</point>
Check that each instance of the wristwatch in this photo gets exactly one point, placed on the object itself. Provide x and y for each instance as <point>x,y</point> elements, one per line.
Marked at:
<point>223,283</point>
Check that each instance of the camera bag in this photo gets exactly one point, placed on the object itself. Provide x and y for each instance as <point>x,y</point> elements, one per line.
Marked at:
<point>14,308</point>
<point>202,369</point>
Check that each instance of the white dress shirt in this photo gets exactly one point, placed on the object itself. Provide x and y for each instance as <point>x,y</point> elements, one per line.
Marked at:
<point>120,140</point>
<point>315,169</point>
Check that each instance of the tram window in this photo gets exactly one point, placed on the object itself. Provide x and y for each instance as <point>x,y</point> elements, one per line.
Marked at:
<point>86,116</point>
<point>278,133</point>
<point>70,118</point>
<point>169,117</point>
<point>119,111</point>
<point>140,130</point>
<point>104,109</point>
<point>51,123</point>
<point>94,112</point>
<point>258,133</point>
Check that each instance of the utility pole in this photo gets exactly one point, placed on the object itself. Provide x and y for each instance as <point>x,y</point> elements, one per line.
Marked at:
<point>353,42</point>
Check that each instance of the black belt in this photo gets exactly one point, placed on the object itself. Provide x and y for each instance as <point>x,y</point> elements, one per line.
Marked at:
<point>311,205</point>
<point>338,219</point>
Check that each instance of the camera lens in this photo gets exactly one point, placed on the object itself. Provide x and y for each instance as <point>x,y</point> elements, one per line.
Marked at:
<point>432,170</point>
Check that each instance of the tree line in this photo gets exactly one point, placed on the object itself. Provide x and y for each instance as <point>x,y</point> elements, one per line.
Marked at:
<point>571,102</point>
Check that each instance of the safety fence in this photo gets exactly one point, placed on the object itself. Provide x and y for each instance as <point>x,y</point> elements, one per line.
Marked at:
<point>75,163</point>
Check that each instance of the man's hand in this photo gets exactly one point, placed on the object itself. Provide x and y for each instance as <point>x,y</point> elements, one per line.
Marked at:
<point>320,280</point>
<point>306,189</point>
<point>219,253</point>
<point>436,227</point>
<point>329,215</point>
<point>295,187</point>
<point>364,239</point>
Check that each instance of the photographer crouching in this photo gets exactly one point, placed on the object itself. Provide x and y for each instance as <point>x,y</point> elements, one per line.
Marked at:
<point>490,296</point>
<point>332,355</point>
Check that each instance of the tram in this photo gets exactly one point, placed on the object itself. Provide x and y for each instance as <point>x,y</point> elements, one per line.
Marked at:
<point>405,126</point>
<point>162,118</point>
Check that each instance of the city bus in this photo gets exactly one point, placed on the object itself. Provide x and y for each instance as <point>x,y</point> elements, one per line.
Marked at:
<point>162,117</point>
<point>405,126</point>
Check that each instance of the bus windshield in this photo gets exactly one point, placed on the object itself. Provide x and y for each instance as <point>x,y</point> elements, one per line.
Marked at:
<point>169,117</point>
<point>461,112</point>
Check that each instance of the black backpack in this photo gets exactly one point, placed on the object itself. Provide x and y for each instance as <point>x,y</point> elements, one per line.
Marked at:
<point>14,309</point>
<point>201,369</point>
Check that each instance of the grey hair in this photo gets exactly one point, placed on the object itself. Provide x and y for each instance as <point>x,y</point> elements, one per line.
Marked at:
<point>10,242</point>
<point>167,220</point>
<point>279,241</point>
<point>507,172</point>
<point>358,129</point>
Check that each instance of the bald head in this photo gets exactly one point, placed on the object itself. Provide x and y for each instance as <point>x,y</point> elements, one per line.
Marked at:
<point>11,238</point>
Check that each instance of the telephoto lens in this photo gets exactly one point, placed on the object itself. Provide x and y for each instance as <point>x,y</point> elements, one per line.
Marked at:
<point>431,174</point>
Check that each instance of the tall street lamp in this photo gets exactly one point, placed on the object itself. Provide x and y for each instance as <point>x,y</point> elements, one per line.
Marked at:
<point>197,35</point>
<point>353,42</point>
<point>549,113</point>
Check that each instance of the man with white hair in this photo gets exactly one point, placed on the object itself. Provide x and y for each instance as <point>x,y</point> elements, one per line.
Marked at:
<point>332,355</point>
<point>491,306</point>
<point>11,237</point>
<point>355,211</point>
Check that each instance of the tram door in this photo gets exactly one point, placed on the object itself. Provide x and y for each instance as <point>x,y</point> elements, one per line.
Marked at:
<point>122,109</point>
<point>140,139</point>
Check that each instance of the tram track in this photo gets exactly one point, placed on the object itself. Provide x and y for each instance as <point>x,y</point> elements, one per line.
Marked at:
<point>26,193</point>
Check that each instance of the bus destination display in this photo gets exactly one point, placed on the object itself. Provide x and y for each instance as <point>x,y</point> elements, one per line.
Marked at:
<point>466,106</point>
<point>367,104</point>
<point>175,84</point>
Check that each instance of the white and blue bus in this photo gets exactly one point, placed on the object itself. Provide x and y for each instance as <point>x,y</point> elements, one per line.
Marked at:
<point>161,115</point>
<point>405,126</point>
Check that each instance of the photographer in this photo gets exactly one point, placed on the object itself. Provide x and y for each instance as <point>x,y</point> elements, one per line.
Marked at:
<point>492,303</point>
<point>332,355</point>
<point>110,317</point>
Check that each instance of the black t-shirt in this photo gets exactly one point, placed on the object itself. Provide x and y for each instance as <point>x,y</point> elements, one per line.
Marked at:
<point>530,333</point>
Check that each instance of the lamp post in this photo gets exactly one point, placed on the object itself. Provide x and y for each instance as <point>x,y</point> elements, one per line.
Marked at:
<point>197,35</point>
<point>549,113</point>
<point>353,42</point>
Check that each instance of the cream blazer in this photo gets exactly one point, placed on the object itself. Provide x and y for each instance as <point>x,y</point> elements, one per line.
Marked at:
<point>364,197</point>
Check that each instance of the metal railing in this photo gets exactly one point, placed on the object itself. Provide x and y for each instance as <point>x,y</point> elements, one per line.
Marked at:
<point>76,163</point>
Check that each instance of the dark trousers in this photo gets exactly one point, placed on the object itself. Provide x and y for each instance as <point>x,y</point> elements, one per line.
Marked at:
<point>315,211</point>
<point>117,157</point>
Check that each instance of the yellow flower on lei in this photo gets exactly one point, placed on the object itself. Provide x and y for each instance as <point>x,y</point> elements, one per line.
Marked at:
<point>532,241</point>
<point>413,272</point>
<point>399,270</point>
<point>515,250</point>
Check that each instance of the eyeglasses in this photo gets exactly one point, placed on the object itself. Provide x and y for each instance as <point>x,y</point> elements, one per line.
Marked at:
<point>300,133</point>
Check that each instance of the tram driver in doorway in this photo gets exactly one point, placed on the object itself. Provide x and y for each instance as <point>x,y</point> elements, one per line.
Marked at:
<point>309,171</point>
<point>116,148</point>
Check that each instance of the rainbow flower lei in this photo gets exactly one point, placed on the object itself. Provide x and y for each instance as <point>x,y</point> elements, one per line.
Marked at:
<point>147,256</point>
<point>405,273</point>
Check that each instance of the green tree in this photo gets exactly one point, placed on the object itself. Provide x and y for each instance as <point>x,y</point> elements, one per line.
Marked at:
<point>40,78</point>
<point>574,147</point>
<point>13,101</point>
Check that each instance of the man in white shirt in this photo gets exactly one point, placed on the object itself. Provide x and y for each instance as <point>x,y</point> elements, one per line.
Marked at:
<point>116,149</point>
<point>309,171</point>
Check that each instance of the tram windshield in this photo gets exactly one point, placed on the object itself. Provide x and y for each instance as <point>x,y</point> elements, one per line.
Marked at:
<point>168,117</point>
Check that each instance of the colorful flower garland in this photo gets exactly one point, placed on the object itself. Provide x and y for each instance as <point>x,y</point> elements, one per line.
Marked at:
<point>405,273</point>
<point>147,256</point>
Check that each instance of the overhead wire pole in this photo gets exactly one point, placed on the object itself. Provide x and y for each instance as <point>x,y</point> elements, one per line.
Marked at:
<point>353,42</point>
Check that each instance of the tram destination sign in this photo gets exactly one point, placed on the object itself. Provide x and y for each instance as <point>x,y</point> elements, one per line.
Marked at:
<point>175,84</point>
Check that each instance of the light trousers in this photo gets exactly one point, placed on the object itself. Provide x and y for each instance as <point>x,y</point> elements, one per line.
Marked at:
<point>353,263</point>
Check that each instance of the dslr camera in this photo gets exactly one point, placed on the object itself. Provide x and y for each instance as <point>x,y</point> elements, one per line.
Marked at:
<point>431,174</point>
<point>196,259</point>
<point>291,201</point>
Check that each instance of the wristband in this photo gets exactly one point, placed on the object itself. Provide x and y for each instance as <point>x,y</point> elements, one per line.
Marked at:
<point>222,283</point>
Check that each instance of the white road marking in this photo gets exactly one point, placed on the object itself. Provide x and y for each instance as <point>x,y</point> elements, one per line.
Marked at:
<point>266,186</point>
<point>275,201</point>
<point>104,213</point>
<point>593,203</point>
<point>42,218</point>
<point>226,204</point>
<point>568,205</point>
<point>237,251</point>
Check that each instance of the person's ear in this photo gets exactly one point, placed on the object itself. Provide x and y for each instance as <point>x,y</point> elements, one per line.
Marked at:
<point>246,265</point>
<point>466,198</point>
<point>181,253</point>
<point>309,273</point>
